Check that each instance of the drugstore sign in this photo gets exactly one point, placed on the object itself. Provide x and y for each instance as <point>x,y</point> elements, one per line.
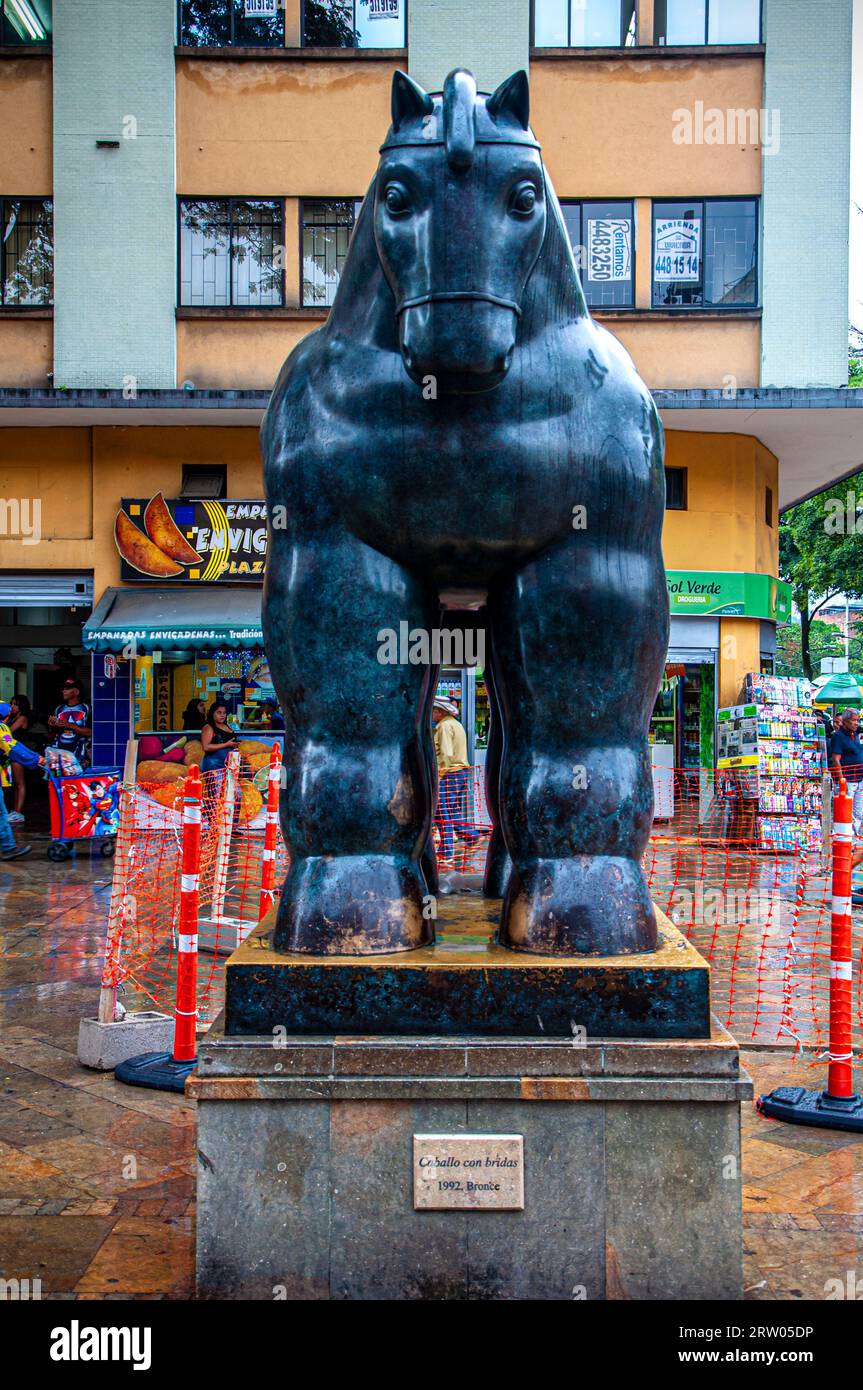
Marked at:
<point>727,594</point>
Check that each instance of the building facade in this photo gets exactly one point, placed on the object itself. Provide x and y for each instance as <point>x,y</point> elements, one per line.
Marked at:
<point>178,184</point>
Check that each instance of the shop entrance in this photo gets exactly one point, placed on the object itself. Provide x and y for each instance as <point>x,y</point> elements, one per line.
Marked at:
<point>41,617</point>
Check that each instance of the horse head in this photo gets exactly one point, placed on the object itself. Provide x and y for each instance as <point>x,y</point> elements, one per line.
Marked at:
<point>459,221</point>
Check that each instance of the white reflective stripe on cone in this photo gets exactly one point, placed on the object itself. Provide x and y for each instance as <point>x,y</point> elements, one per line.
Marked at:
<point>840,970</point>
<point>269,854</point>
<point>841,907</point>
<point>843,830</point>
<point>192,812</point>
<point>189,882</point>
<point>187,943</point>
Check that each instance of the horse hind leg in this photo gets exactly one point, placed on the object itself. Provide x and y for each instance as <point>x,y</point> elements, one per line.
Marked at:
<point>497,863</point>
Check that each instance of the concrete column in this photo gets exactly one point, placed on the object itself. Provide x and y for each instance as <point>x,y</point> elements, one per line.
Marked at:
<point>293,23</point>
<point>490,37</point>
<point>114,207</point>
<point>644,18</point>
<point>806,192</point>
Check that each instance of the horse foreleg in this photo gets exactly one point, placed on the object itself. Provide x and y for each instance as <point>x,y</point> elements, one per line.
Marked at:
<point>580,639</point>
<point>355,804</point>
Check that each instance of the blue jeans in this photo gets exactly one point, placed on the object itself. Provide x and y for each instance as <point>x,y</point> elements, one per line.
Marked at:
<point>7,839</point>
<point>452,812</point>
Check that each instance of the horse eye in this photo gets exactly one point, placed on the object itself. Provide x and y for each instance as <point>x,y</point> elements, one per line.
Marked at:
<point>396,199</point>
<point>523,199</point>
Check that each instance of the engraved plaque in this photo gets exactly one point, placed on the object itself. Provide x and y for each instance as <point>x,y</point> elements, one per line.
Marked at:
<point>475,1172</point>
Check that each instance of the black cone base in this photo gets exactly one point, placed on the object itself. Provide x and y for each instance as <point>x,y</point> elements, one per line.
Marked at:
<point>156,1070</point>
<point>797,1106</point>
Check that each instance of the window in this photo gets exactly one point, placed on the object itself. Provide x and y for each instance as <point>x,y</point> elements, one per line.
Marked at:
<point>708,21</point>
<point>204,480</point>
<point>602,242</point>
<point>223,23</point>
<point>25,21</point>
<point>327,227</point>
<point>705,254</point>
<point>354,23</point>
<point>676,489</point>
<point>28,251</point>
<point>232,252</point>
<point>583,23</point>
<point>768,505</point>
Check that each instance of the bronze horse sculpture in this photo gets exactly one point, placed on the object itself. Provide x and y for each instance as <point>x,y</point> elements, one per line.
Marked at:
<point>460,427</point>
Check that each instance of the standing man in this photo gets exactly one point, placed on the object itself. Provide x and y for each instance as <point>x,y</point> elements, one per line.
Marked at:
<point>11,752</point>
<point>846,757</point>
<point>70,723</point>
<point>450,746</point>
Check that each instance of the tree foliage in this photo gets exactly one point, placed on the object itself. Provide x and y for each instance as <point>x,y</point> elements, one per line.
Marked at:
<point>821,553</point>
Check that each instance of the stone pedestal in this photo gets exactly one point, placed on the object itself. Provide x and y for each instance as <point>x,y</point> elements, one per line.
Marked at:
<point>631,1167</point>
<point>466,984</point>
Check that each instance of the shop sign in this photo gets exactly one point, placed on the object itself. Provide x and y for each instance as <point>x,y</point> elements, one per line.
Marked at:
<point>191,541</point>
<point>261,9</point>
<point>727,594</point>
<point>384,9</point>
<point>609,248</point>
<point>162,682</point>
<point>677,249</point>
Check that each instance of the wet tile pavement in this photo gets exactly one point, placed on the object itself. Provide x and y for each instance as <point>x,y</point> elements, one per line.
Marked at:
<point>97,1179</point>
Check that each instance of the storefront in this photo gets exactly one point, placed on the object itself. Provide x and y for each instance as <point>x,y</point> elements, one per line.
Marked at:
<point>157,650</point>
<point>718,619</point>
<point>160,651</point>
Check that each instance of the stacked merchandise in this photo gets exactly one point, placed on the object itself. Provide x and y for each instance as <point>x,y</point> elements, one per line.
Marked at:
<point>773,746</point>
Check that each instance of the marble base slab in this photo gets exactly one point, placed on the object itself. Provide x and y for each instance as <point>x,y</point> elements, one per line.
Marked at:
<point>466,983</point>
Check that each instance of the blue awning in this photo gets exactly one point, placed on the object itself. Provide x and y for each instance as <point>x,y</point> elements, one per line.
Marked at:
<point>183,617</point>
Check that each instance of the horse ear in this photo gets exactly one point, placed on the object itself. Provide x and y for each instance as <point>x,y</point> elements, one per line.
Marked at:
<point>512,96</point>
<point>408,99</point>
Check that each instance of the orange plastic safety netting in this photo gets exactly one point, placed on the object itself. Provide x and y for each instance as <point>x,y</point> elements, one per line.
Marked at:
<point>750,889</point>
<point>140,960</point>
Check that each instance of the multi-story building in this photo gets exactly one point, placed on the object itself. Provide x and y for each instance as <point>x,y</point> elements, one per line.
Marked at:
<point>178,183</point>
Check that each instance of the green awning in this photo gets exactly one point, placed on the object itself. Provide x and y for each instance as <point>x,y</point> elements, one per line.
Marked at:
<point>178,618</point>
<point>841,687</point>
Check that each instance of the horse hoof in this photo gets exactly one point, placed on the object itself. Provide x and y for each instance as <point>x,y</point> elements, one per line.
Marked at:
<point>352,906</point>
<point>586,906</point>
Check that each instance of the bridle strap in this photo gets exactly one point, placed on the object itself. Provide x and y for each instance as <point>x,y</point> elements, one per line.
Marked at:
<point>445,295</point>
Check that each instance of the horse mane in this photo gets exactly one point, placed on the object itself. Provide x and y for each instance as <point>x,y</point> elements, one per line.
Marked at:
<point>364,306</point>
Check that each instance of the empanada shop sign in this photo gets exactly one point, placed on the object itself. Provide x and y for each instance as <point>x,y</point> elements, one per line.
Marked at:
<point>191,541</point>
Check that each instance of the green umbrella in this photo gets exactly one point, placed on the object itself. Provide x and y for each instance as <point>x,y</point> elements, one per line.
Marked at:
<point>840,688</point>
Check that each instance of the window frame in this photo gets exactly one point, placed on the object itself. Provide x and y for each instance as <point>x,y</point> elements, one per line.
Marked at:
<point>232,41</point>
<point>24,198</point>
<point>740,43</point>
<point>397,48</point>
<point>684,479</point>
<point>230,308</point>
<point>39,44</point>
<point>569,44</point>
<point>581,203</point>
<point>755,198</point>
<point>301,224</point>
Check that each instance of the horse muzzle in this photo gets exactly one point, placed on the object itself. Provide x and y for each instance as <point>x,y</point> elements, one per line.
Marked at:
<point>463,341</point>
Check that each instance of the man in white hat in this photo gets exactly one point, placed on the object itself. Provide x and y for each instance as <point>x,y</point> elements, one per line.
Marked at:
<point>450,746</point>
